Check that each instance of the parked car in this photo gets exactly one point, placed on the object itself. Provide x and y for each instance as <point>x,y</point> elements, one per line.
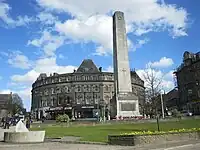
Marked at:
<point>186,113</point>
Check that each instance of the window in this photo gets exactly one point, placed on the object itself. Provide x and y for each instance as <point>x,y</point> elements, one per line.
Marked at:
<point>59,100</point>
<point>87,77</point>
<point>96,98</point>
<point>68,100</point>
<point>79,99</point>
<point>87,99</point>
<point>189,91</point>
<point>79,88</point>
<point>52,91</point>
<point>106,88</point>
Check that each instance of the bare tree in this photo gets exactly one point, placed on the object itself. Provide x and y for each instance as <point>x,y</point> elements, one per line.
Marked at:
<point>153,84</point>
<point>15,104</point>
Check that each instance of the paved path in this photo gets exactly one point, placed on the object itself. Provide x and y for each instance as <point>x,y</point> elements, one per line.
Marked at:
<point>59,146</point>
<point>183,145</point>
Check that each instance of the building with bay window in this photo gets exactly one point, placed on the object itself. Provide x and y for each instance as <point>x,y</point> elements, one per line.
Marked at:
<point>188,77</point>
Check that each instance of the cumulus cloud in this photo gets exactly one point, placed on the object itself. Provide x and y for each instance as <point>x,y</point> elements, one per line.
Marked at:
<point>16,59</point>
<point>92,22</point>
<point>48,42</point>
<point>42,65</point>
<point>164,62</point>
<point>144,15</point>
<point>47,18</point>
<point>9,21</point>
<point>20,61</point>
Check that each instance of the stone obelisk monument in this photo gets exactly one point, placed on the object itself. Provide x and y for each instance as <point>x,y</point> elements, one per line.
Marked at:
<point>126,101</point>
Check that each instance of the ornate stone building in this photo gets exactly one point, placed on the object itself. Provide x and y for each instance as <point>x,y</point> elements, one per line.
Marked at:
<point>80,94</point>
<point>188,77</point>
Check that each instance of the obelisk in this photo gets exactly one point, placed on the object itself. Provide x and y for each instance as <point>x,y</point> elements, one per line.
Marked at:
<point>126,101</point>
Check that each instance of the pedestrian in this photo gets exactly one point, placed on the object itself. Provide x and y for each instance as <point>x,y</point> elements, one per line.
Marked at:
<point>7,123</point>
<point>3,121</point>
<point>28,123</point>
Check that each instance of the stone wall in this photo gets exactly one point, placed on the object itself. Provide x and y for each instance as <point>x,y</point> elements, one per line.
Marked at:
<point>132,140</point>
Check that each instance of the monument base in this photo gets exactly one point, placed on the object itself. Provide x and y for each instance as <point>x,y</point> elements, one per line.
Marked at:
<point>127,105</point>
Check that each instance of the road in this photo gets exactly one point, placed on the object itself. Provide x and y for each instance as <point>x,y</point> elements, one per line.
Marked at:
<point>62,146</point>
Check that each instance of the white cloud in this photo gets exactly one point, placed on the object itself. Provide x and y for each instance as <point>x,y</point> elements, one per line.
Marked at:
<point>164,62</point>
<point>18,60</point>
<point>47,18</point>
<point>145,15</point>
<point>43,65</point>
<point>48,42</point>
<point>139,44</point>
<point>5,17</point>
<point>92,21</point>
<point>97,29</point>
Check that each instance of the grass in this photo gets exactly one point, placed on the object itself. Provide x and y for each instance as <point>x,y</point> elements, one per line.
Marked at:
<point>99,133</point>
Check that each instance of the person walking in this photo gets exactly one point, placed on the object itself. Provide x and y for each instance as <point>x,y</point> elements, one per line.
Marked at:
<point>7,123</point>
<point>28,123</point>
<point>3,122</point>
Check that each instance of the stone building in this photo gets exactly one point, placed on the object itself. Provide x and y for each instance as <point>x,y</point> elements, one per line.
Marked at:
<point>82,94</point>
<point>4,99</point>
<point>171,99</point>
<point>188,77</point>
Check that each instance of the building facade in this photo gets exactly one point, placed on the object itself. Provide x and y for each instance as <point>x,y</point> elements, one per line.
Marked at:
<point>188,77</point>
<point>171,99</point>
<point>4,101</point>
<point>81,94</point>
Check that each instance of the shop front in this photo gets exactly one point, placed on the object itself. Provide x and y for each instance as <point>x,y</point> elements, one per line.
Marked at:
<point>52,113</point>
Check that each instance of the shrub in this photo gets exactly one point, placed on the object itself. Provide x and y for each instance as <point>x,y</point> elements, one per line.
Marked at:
<point>176,113</point>
<point>63,118</point>
<point>162,132</point>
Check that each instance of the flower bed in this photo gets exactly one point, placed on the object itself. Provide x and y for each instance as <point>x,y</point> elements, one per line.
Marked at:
<point>148,137</point>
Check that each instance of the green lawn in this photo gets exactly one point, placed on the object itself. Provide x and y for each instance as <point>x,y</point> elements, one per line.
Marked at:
<point>99,133</point>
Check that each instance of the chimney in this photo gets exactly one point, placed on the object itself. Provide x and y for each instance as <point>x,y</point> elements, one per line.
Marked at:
<point>100,69</point>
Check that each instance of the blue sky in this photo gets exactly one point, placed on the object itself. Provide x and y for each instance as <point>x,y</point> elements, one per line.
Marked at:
<point>55,36</point>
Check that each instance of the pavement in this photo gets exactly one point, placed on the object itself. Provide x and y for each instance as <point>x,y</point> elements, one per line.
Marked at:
<point>181,145</point>
<point>67,143</point>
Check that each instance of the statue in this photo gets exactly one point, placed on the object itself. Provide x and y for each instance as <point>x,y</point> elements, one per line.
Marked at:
<point>20,127</point>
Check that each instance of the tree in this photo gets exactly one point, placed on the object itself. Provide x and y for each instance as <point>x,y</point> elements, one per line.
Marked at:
<point>153,84</point>
<point>15,104</point>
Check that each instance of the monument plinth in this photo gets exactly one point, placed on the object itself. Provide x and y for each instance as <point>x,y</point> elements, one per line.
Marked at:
<point>126,101</point>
